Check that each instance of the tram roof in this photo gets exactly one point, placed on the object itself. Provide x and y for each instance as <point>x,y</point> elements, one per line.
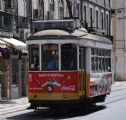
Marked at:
<point>62,34</point>
<point>96,37</point>
<point>56,33</point>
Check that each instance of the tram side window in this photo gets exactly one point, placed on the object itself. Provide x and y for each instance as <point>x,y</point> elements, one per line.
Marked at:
<point>109,61</point>
<point>103,60</point>
<point>69,57</point>
<point>33,57</point>
<point>82,59</point>
<point>106,61</point>
<point>100,60</point>
<point>94,59</point>
<point>50,57</point>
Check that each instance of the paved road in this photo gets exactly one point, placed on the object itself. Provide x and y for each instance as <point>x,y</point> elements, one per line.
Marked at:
<point>114,108</point>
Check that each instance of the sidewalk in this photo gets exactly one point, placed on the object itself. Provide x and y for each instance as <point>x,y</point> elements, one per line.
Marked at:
<point>118,85</point>
<point>9,106</point>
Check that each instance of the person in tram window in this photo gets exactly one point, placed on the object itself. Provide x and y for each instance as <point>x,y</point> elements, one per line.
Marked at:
<point>53,64</point>
<point>36,62</point>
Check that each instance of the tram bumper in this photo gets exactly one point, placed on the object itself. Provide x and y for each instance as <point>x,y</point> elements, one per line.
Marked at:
<point>53,99</point>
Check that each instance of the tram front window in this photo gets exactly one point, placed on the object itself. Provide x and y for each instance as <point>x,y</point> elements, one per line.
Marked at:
<point>68,57</point>
<point>50,57</point>
<point>33,57</point>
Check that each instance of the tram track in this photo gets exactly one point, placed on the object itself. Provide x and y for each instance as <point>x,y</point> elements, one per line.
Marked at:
<point>117,100</point>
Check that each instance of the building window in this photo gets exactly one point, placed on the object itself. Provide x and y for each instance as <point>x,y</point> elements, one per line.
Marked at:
<point>91,21</point>
<point>8,4</point>
<point>7,23</point>
<point>61,9</point>
<point>13,3</point>
<point>107,24</point>
<point>109,2</point>
<point>97,19</point>
<point>24,7</point>
<point>28,6</point>
<point>41,9</point>
<point>0,4</point>
<point>102,21</point>
<point>35,14</point>
<point>85,13</point>
<point>51,9</point>
<point>78,10</point>
<point>16,6</point>
<point>1,21</point>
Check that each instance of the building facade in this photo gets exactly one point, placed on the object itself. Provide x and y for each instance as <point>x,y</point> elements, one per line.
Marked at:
<point>119,41</point>
<point>97,13</point>
<point>94,14</point>
<point>15,18</point>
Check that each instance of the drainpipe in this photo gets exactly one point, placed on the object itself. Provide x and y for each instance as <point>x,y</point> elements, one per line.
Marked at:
<point>19,75</point>
<point>10,81</point>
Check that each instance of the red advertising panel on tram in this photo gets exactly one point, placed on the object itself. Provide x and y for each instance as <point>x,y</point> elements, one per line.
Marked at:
<point>59,82</point>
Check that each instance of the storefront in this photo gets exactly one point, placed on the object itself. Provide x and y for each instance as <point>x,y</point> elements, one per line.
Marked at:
<point>13,68</point>
<point>4,69</point>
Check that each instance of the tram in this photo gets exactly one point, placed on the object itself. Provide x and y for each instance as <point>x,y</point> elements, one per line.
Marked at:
<point>68,68</point>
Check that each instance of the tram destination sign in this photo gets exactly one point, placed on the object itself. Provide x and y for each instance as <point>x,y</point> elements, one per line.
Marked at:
<point>53,24</point>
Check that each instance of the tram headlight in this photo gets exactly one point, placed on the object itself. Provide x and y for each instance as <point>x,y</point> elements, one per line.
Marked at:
<point>65,96</point>
<point>50,88</point>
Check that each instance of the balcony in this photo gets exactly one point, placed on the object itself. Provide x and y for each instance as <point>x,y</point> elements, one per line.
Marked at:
<point>12,10</point>
<point>5,24</point>
<point>23,22</point>
<point>11,23</point>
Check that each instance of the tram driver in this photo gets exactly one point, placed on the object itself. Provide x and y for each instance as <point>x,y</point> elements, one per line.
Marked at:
<point>53,63</point>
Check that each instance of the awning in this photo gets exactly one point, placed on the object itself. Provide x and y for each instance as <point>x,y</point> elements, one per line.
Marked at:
<point>15,43</point>
<point>3,44</point>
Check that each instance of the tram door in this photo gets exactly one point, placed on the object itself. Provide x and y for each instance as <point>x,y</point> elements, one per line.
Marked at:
<point>82,72</point>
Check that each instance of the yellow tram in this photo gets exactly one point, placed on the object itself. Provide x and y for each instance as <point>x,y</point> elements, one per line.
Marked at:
<point>68,67</point>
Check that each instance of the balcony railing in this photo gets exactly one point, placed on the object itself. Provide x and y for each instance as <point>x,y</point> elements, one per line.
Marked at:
<point>53,24</point>
<point>9,21</point>
<point>23,22</point>
<point>5,22</point>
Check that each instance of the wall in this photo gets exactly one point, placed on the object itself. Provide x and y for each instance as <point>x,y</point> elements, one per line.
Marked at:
<point>119,28</point>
